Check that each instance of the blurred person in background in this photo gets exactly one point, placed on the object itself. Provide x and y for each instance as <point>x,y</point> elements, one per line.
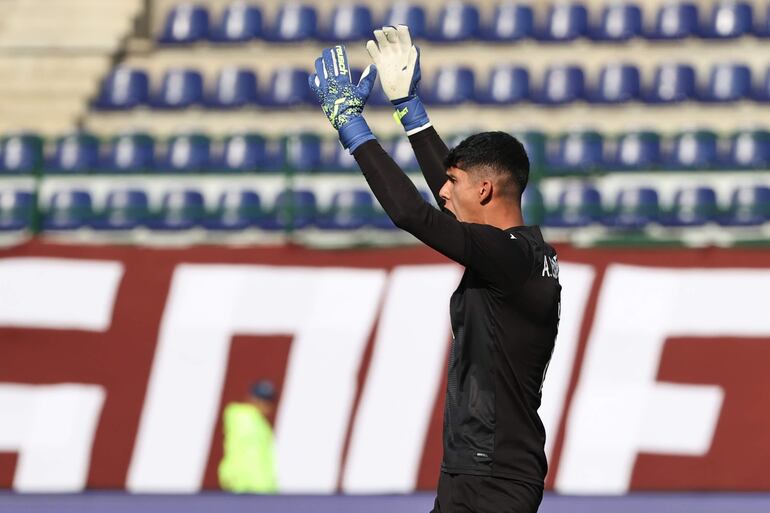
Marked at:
<point>505,311</point>
<point>248,463</point>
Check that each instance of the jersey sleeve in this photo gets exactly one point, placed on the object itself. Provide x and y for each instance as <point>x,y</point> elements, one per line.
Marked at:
<point>431,151</point>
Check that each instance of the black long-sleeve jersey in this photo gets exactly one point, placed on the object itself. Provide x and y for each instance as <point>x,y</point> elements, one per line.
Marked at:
<point>504,315</point>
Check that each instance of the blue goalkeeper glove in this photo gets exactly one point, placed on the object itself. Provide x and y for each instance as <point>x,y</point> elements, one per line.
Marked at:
<point>341,100</point>
<point>398,62</point>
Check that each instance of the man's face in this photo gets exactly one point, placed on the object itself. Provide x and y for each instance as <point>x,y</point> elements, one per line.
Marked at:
<point>460,194</point>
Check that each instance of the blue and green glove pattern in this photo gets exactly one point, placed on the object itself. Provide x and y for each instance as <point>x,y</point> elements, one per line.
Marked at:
<point>341,100</point>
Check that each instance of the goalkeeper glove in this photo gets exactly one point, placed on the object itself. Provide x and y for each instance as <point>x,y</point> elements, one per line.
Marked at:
<point>341,100</point>
<point>398,62</point>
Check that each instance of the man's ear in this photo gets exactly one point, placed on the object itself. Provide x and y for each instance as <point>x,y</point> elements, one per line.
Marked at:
<point>485,191</point>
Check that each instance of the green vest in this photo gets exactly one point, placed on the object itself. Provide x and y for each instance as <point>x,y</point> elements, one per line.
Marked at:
<point>248,464</point>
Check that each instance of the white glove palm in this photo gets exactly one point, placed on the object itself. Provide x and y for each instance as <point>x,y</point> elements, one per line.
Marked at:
<point>397,60</point>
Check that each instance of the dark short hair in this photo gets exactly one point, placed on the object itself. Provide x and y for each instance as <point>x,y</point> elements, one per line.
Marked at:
<point>498,151</point>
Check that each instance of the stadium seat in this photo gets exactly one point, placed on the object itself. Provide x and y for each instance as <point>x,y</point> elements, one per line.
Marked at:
<point>532,205</point>
<point>692,206</point>
<point>506,85</point>
<point>578,206</point>
<point>348,23</point>
<point>181,88</point>
<point>409,14</point>
<point>180,210</point>
<point>124,88</point>
<point>400,149</point>
<point>762,94</point>
<point>565,22</point>
<point>729,20</point>
<point>288,88</point>
<point>242,153</point>
<point>635,208</point>
<point>235,88</point>
<point>303,153</point>
<point>75,153</point>
<point>728,82</point>
<point>452,85</point>
<point>335,158</point>
<point>240,22</point>
<point>21,154</point>
<point>673,83</point>
<point>675,20</point>
<point>457,21</point>
<point>130,153</point>
<point>619,22</point>
<point>693,150</point>
<point>294,22</point>
<point>236,209</point>
<point>534,145</point>
<point>511,22</point>
<point>349,210</point>
<point>749,206</point>
<point>618,83</point>
<point>635,151</point>
<point>17,209</point>
<point>749,149</point>
<point>561,84</point>
<point>293,210</point>
<point>576,152</point>
<point>125,209</point>
<point>185,23</point>
<point>186,153</point>
<point>68,210</point>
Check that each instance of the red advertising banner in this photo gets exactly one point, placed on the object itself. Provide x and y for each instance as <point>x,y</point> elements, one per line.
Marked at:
<point>116,363</point>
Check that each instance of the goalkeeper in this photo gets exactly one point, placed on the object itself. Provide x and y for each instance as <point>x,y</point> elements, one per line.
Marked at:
<point>505,311</point>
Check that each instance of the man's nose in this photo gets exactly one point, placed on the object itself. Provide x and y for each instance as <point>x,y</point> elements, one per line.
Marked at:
<point>444,192</point>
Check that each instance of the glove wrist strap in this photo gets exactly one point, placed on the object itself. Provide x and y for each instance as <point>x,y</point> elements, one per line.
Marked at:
<point>410,113</point>
<point>354,133</point>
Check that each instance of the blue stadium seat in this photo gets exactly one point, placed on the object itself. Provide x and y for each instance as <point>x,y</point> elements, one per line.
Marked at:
<point>728,82</point>
<point>75,153</point>
<point>180,88</point>
<point>675,21</point>
<point>349,210</point>
<point>185,23</point>
<point>578,206</point>
<point>294,22</point>
<point>729,20</point>
<point>532,205</point>
<point>534,145</point>
<point>673,83</point>
<point>239,23</point>
<point>125,209</point>
<point>130,153</point>
<point>619,22</point>
<point>235,88</point>
<point>242,153</point>
<point>20,154</point>
<point>635,208</point>
<point>576,152</point>
<point>618,83</point>
<point>692,206</point>
<point>236,209</point>
<point>187,153</point>
<point>288,88</point>
<point>457,21</point>
<point>762,93</point>
<point>635,151</point>
<point>749,149</point>
<point>17,209</point>
<point>565,22</point>
<point>68,210</point>
<point>511,22</point>
<point>695,149</point>
<point>180,210</point>
<point>561,84</point>
<point>452,85</point>
<point>749,206</point>
<point>293,210</point>
<point>303,152</point>
<point>337,159</point>
<point>123,88</point>
<point>348,23</point>
<point>506,85</point>
<point>409,14</point>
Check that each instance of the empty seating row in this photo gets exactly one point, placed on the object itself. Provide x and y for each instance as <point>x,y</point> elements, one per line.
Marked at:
<point>577,151</point>
<point>127,88</point>
<point>459,21</point>
<point>238,209</point>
